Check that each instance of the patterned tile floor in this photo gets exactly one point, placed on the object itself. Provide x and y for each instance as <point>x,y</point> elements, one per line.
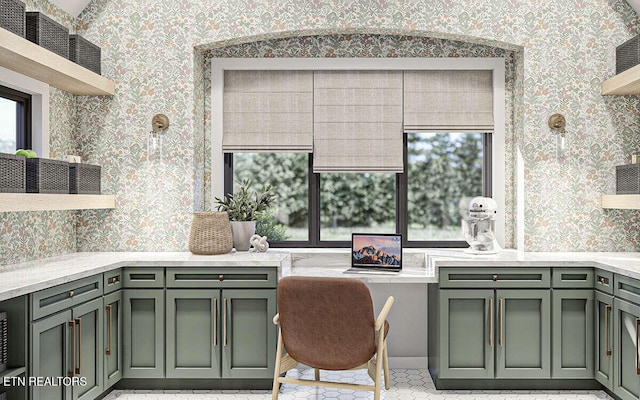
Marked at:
<point>406,384</point>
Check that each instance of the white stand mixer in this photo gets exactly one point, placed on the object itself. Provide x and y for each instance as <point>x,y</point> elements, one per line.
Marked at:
<point>479,227</point>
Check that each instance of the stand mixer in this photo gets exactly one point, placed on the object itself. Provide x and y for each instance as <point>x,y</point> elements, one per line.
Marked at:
<point>479,228</point>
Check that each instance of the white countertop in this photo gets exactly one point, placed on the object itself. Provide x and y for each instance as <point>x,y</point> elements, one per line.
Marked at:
<point>420,265</point>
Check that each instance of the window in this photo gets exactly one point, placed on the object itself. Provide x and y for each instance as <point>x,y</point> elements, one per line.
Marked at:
<point>15,120</point>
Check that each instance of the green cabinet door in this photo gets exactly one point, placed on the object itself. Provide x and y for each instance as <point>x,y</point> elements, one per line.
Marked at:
<point>604,339</point>
<point>112,338</point>
<point>625,348</point>
<point>88,320</point>
<point>193,342</point>
<point>248,334</point>
<point>467,333</point>
<point>51,354</point>
<point>523,333</point>
<point>143,333</point>
<point>573,331</point>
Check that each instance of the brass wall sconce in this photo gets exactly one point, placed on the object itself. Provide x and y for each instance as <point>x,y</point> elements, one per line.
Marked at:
<point>557,123</point>
<point>159,124</point>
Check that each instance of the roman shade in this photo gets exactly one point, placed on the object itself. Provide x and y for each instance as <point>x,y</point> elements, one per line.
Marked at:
<point>268,111</point>
<point>357,121</point>
<point>451,100</point>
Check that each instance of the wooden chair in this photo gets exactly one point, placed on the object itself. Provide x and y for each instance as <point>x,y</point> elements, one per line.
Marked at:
<point>328,324</point>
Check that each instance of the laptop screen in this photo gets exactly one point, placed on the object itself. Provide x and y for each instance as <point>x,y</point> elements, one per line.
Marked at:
<point>377,251</point>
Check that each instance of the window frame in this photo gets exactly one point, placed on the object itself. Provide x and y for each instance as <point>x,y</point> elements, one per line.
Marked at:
<point>496,65</point>
<point>23,115</point>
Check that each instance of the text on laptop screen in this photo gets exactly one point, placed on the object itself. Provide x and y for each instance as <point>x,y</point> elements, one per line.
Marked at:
<point>376,250</point>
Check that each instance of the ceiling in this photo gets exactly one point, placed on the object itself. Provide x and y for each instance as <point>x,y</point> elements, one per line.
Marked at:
<point>75,7</point>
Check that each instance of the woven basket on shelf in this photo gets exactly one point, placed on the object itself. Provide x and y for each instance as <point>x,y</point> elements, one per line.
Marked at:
<point>4,345</point>
<point>210,233</point>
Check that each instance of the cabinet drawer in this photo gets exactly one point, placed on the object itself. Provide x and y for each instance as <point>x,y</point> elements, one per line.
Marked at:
<point>112,281</point>
<point>627,288</point>
<point>221,277</point>
<point>499,277</point>
<point>573,278</point>
<point>603,281</point>
<point>143,277</point>
<point>52,300</point>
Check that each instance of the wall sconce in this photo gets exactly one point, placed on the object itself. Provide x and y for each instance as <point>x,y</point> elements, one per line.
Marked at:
<point>557,123</point>
<point>159,123</point>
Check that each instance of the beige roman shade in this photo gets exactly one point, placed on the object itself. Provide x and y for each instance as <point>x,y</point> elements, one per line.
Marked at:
<point>268,111</point>
<point>357,121</point>
<point>451,100</point>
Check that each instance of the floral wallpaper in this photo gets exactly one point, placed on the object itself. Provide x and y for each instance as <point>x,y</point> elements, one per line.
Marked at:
<point>158,53</point>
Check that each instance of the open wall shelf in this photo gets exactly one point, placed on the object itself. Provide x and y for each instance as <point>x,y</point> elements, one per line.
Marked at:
<point>27,58</point>
<point>621,201</point>
<point>625,83</point>
<point>45,202</point>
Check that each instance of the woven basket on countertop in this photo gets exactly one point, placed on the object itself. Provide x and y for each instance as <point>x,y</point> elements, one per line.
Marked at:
<point>210,233</point>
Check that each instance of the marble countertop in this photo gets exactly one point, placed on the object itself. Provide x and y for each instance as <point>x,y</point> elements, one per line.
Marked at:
<point>420,265</point>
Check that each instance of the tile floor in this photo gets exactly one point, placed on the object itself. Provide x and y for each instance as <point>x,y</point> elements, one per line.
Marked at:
<point>406,384</point>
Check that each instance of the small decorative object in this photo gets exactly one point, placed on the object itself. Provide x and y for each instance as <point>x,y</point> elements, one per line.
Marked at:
<point>84,178</point>
<point>4,346</point>
<point>159,124</point>
<point>557,123</point>
<point>12,16</point>
<point>244,207</point>
<point>85,53</point>
<point>47,33</point>
<point>210,233</point>
<point>47,176</point>
<point>259,243</point>
<point>12,173</point>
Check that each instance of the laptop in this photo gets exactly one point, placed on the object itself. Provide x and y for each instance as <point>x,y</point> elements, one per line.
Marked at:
<point>375,253</point>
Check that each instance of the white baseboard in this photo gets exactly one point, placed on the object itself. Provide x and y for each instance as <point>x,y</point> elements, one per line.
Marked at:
<point>408,362</point>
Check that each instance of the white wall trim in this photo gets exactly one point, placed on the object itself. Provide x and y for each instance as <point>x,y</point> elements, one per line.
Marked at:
<point>219,65</point>
<point>39,92</point>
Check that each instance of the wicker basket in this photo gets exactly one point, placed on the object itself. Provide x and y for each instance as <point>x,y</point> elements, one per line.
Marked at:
<point>47,176</point>
<point>85,53</point>
<point>210,233</point>
<point>84,179</point>
<point>628,54</point>
<point>628,179</point>
<point>12,173</point>
<point>12,16</point>
<point>47,33</point>
<point>4,346</point>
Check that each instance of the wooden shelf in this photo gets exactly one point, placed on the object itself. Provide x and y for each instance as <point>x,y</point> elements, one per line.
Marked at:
<point>625,83</point>
<point>27,58</point>
<point>621,201</point>
<point>46,202</point>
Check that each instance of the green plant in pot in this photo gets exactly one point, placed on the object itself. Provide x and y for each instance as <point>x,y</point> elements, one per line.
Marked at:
<point>244,207</point>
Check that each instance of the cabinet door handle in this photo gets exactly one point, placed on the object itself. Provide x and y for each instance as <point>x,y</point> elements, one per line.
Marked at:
<point>224,322</point>
<point>491,321</point>
<point>607,311</point>
<point>72,325</point>
<point>637,361</point>
<point>215,321</point>
<point>110,311</point>
<point>501,305</point>
<point>79,322</point>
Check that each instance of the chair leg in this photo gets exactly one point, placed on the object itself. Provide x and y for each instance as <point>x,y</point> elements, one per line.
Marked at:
<point>379,362</point>
<point>276,374</point>
<point>317,374</point>
<point>385,361</point>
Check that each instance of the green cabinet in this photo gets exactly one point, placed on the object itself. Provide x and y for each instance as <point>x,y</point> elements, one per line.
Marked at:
<point>69,344</point>
<point>502,333</point>
<point>112,338</point>
<point>604,339</point>
<point>143,333</point>
<point>573,332</point>
<point>625,370</point>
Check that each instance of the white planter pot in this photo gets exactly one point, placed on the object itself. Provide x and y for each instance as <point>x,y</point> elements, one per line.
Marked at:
<point>242,232</point>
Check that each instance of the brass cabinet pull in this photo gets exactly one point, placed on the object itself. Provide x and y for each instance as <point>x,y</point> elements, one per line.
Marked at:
<point>501,305</point>
<point>637,361</point>
<point>79,322</point>
<point>607,311</point>
<point>221,277</point>
<point>215,321</point>
<point>72,325</point>
<point>603,280</point>
<point>494,277</point>
<point>224,322</point>
<point>114,280</point>
<point>491,321</point>
<point>110,311</point>
<point>70,293</point>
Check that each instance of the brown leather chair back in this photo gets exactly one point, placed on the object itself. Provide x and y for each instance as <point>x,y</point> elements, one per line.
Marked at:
<point>326,323</point>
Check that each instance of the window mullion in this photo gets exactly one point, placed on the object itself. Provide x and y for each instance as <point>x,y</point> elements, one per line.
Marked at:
<point>314,206</point>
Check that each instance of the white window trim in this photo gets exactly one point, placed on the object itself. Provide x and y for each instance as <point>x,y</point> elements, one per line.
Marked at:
<point>219,65</point>
<point>39,92</point>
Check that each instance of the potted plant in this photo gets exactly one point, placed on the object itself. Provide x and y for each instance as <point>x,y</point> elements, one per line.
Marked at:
<point>244,207</point>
